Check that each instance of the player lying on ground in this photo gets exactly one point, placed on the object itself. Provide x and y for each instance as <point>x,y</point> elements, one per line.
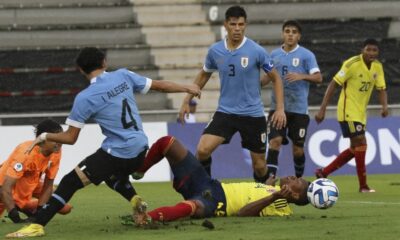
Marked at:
<point>206,197</point>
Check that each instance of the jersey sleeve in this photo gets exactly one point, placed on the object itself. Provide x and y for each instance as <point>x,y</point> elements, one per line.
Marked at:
<point>210,64</point>
<point>380,83</point>
<point>139,83</point>
<point>266,61</point>
<point>81,111</point>
<point>312,63</point>
<point>17,159</point>
<point>343,75</point>
<point>54,166</point>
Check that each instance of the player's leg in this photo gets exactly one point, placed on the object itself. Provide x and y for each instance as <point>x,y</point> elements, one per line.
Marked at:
<point>275,139</point>
<point>359,144</point>
<point>343,157</point>
<point>297,132</point>
<point>218,131</point>
<point>155,154</point>
<point>254,137</point>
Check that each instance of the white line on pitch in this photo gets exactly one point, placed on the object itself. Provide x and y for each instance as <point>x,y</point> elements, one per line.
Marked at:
<point>373,203</point>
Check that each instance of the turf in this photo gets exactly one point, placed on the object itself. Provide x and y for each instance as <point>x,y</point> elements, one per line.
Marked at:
<point>97,211</point>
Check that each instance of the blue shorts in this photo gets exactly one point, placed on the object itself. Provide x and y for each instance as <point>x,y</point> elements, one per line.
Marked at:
<point>193,183</point>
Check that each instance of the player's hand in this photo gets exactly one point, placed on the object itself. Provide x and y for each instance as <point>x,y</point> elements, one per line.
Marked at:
<point>194,89</point>
<point>184,112</point>
<point>285,192</point>
<point>320,116</point>
<point>271,180</point>
<point>384,112</point>
<point>292,77</point>
<point>39,139</point>
<point>278,119</point>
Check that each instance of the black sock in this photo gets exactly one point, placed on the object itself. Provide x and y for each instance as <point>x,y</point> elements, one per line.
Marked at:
<point>272,162</point>
<point>122,186</point>
<point>299,165</point>
<point>260,179</point>
<point>207,165</point>
<point>69,184</point>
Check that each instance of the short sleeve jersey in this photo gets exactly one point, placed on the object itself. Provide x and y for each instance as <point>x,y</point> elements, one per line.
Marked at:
<point>357,83</point>
<point>299,60</point>
<point>239,74</point>
<point>110,101</point>
<point>240,194</point>
<point>28,170</point>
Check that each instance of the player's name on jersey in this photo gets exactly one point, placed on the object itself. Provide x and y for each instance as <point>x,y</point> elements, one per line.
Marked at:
<point>118,90</point>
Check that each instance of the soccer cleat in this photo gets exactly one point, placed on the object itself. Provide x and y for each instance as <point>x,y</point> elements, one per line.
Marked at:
<point>319,173</point>
<point>366,190</point>
<point>139,214</point>
<point>32,230</point>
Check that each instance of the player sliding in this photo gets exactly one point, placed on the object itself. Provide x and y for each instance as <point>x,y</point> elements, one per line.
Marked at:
<point>206,197</point>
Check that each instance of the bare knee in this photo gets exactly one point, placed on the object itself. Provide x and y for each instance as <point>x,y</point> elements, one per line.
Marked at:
<point>275,143</point>
<point>298,151</point>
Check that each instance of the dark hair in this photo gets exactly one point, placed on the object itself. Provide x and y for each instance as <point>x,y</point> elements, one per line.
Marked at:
<point>90,59</point>
<point>370,41</point>
<point>235,12</point>
<point>303,199</point>
<point>47,125</point>
<point>292,23</point>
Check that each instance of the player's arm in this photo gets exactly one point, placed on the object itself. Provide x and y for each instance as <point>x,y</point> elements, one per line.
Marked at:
<point>201,79</point>
<point>47,190</point>
<point>382,96</point>
<point>313,78</point>
<point>7,198</point>
<point>320,116</point>
<point>254,208</point>
<point>278,118</point>
<point>67,137</point>
<point>265,80</point>
<point>171,87</point>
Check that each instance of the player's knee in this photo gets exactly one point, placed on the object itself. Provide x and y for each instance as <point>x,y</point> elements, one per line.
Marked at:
<point>275,143</point>
<point>203,152</point>
<point>298,151</point>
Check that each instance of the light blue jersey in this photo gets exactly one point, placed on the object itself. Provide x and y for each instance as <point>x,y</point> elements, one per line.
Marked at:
<point>239,73</point>
<point>110,101</point>
<point>299,60</point>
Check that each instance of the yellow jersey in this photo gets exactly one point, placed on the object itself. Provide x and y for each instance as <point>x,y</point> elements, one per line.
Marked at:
<point>240,194</point>
<point>357,83</point>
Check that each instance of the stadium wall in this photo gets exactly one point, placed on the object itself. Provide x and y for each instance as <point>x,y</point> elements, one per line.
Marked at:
<point>231,161</point>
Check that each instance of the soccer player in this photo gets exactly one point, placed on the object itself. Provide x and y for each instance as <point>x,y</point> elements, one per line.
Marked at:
<point>206,197</point>
<point>357,77</point>
<point>238,60</point>
<point>110,101</point>
<point>298,68</point>
<point>21,188</point>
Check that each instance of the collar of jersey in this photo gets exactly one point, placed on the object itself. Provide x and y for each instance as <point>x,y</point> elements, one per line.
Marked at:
<point>243,42</point>
<point>93,80</point>
<point>294,49</point>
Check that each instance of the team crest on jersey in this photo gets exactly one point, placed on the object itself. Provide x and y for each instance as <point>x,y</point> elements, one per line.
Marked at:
<point>375,76</point>
<point>244,61</point>
<point>295,62</point>
<point>302,132</point>
<point>263,137</point>
<point>18,167</point>
<point>341,73</point>
<point>359,128</point>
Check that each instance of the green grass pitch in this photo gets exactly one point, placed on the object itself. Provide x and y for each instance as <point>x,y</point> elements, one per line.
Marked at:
<point>355,216</point>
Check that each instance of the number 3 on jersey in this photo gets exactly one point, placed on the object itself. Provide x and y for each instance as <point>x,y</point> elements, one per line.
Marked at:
<point>126,110</point>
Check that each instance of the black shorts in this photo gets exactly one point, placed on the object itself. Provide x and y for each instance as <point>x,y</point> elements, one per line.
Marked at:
<point>251,129</point>
<point>352,129</point>
<point>100,166</point>
<point>296,128</point>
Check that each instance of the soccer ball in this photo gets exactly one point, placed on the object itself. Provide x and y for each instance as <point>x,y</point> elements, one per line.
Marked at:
<point>322,193</point>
